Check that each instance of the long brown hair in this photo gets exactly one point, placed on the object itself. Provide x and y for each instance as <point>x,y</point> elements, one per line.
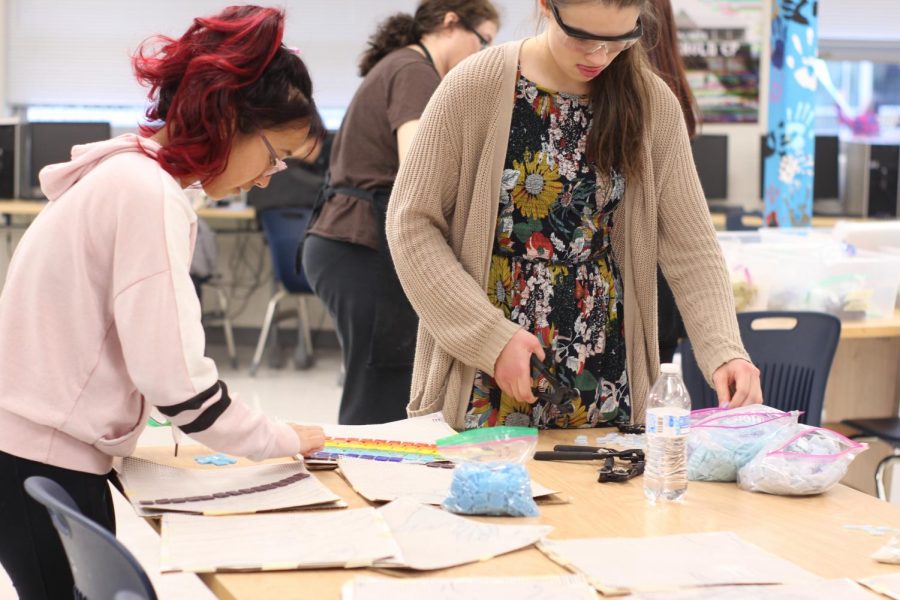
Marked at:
<point>665,57</point>
<point>403,29</point>
<point>619,100</point>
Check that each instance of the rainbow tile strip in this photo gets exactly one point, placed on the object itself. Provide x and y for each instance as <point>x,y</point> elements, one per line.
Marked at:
<point>380,450</point>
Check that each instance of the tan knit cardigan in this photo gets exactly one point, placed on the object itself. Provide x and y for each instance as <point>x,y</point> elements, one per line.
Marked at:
<point>440,228</point>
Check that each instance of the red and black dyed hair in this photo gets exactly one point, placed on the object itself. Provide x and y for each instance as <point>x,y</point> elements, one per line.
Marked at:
<point>228,73</point>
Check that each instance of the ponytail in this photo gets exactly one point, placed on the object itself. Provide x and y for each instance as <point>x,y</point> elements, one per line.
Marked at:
<point>398,31</point>
<point>401,30</point>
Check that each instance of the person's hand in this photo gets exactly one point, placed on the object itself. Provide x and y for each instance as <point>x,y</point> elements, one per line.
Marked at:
<point>512,371</point>
<point>737,384</point>
<point>312,438</point>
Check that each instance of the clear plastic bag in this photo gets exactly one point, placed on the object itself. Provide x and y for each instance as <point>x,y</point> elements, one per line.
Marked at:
<point>800,461</point>
<point>722,441</point>
<point>490,476</point>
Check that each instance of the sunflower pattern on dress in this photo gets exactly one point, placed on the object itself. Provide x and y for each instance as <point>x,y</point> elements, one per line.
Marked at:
<point>552,267</point>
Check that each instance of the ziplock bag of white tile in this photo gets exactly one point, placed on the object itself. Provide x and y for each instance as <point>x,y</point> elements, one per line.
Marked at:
<point>800,461</point>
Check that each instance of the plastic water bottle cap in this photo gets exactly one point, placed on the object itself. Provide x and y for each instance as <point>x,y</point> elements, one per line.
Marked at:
<point>669,369</point>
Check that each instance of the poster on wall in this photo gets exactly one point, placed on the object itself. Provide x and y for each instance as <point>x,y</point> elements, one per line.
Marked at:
<point>720,42</point>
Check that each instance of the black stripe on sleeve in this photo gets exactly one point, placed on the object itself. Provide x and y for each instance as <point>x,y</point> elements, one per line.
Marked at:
<point>193,404</point>
<point>210,415</point>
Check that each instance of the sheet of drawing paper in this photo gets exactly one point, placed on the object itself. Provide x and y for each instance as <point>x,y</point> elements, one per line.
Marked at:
<point>473,588</point>
<point>888,585</point>
<point>230,490</point>
<point>674,561</point>
<point>833,589</point>
<point>275,541</point>
<point>430,538</point>
<point>387,481</point>
<point>422,430</point>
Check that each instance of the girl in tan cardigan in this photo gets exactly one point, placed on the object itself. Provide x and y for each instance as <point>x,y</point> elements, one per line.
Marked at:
<point>546,180</point>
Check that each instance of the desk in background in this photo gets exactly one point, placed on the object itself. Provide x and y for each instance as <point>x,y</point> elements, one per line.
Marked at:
<point>31,208</point>
<point>808,531</point>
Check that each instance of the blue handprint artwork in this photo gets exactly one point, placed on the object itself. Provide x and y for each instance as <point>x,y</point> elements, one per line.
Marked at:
<point>779,29</point>
<point>788,153</point>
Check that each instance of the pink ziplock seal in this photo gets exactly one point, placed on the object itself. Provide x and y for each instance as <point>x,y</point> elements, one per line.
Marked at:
<point>852,446</point>
<point>766,418</point>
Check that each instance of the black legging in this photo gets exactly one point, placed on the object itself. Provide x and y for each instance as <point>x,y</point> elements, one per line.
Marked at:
<point>347,278</point>
<point>30,549</point>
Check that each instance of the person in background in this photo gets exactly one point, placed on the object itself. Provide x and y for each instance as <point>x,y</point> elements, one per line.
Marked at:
<point>345,257</point>
<point>547,179</point>
<point>99,321</point>
<point>665,58</point>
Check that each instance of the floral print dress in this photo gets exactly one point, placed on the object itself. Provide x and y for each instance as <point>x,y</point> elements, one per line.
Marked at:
<point>552,269</point>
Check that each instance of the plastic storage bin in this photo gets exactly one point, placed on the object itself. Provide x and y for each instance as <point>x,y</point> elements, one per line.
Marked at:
<point>852,285</point>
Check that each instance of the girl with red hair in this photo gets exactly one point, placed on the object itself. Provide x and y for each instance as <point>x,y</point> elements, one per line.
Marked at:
<point>99,321</point>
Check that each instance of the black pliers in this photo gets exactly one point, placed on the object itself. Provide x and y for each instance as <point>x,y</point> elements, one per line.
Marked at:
<point>609,471</point>
<point>549,388</point>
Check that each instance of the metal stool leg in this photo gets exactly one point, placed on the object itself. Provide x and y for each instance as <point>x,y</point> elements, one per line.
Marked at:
<point>879,475</point>
<point>226,326</point>
<point>264,334</point>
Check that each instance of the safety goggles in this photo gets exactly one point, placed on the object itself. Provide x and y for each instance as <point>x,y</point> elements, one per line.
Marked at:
<point>589,44</point>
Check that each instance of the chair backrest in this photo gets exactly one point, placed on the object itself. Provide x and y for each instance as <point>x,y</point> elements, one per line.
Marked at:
<point>734,219</point>
<point>794,362</point>
<point>101,566</point>
<point>284,228</point>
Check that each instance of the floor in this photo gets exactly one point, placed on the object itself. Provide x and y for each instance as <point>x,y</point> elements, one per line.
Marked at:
<point>304,396</point>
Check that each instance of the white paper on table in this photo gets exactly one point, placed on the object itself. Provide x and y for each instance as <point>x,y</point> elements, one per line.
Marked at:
<point>275,541</point>
<point>426,429</point>
<point>565,587</point>
<point>834,589</point>
<point>674,561</point>
<point>888,585</point>
<point>147,481</point>
<point>430,538</point>
<point>143,542</point>
<point>382,481</point>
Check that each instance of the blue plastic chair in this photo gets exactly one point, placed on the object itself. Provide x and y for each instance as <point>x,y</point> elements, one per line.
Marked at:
<point>794,362</point>
<point>284,228</point>
<point>101,566</point>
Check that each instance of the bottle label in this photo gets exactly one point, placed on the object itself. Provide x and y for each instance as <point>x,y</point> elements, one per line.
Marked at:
<point>668,422</point>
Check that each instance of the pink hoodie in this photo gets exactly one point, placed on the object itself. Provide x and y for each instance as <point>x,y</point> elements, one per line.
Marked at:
<point>99,320</point>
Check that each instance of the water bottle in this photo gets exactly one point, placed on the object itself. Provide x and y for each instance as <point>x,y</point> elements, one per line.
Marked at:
<point>668,424</point>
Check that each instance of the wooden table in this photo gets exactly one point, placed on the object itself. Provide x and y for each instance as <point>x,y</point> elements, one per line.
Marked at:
<point>808,531</point>
<point>718,219</point>
<point>31,208</point>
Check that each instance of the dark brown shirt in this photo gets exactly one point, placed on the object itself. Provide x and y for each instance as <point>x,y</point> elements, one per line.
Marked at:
<point>364,155</point>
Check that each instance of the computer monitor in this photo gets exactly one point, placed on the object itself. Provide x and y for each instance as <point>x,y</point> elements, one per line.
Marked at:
<point>711,158</point>
<point>50,143</point>
<point>826,185</point>
<point>826,167</point>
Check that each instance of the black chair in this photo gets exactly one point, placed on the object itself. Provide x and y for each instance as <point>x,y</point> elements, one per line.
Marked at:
<point>734,219</point>
<point>794,362</point>
<point>102,567</point>
<point>284,228</point>
<point>886,430</point>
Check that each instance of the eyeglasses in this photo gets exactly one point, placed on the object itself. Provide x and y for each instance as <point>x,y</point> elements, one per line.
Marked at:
<point>276,165</point>
<point>549,388</point>
<point>589,44</point>
<point>481,39</point>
